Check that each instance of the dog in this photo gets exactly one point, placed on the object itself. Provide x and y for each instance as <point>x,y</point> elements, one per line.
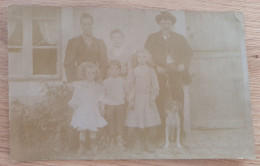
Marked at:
<point>172,123</point>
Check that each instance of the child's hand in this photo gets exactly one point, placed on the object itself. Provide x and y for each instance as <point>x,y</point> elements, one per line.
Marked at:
<point>131,105</point>
<point>101,108</point>
<point>73,106</point>
<point>152,101</point>
<point>102,112</point>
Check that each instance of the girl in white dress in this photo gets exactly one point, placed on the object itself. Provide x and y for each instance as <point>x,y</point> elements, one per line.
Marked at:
<point>142,113</point>
<point>87,105</point>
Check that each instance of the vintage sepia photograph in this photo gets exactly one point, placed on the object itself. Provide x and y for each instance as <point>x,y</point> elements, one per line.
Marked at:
<point>120,83</point>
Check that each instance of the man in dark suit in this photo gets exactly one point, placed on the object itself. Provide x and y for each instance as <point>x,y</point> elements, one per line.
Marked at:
<point>172,56</point>
<point>85,48</point>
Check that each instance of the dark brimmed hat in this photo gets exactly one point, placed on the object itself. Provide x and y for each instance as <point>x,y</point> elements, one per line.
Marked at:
<point>165,15</point>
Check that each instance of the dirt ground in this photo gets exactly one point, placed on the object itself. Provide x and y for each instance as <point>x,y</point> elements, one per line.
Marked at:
<point>225,143</point>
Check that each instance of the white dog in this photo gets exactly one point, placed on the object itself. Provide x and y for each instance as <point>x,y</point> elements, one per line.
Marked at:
<point>172,124</point>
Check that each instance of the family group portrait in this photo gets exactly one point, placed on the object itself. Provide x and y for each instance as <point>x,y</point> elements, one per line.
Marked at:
<point>100,83</point>
<point>125,91</point>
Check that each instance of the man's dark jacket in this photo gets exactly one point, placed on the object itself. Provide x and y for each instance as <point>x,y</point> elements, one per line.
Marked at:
<point>177,47</point>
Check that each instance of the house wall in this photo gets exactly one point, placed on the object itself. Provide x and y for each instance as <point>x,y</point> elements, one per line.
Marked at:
<point>218,95</point>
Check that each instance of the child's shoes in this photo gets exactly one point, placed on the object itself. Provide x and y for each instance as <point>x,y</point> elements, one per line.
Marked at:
<point>120,142</point>
<point>82,149</point>
<point>93,145</point>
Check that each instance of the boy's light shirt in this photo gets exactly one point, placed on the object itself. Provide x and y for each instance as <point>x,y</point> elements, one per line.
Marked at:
<point>114,91</point>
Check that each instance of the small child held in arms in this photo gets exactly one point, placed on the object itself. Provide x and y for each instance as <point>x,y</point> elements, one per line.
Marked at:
<point>87,106</point>
<point>114,100</point>
<point>119,51</point>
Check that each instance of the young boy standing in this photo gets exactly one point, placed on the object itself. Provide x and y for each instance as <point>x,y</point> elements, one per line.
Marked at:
<point>114,100</point>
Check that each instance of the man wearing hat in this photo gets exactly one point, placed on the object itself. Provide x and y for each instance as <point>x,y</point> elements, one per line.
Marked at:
<point>172,56</point>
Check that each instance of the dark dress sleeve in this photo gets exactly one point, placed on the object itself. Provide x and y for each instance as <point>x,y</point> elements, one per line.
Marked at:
<point>70,61</point>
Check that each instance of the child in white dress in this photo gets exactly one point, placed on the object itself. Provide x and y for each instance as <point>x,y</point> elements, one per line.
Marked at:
<point>87,105</point>
<point>142,114</point>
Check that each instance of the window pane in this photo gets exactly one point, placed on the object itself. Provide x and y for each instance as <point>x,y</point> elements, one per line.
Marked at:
<point>15,32</point>
<point>44,32</point>
<point>44,61</point>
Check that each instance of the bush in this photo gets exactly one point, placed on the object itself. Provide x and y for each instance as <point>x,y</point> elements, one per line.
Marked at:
<point>45,123</point>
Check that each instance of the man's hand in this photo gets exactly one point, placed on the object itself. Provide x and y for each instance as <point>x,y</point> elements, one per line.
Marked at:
<point>101,109</point>
<point>102,112</point>
<point>181,68</point>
